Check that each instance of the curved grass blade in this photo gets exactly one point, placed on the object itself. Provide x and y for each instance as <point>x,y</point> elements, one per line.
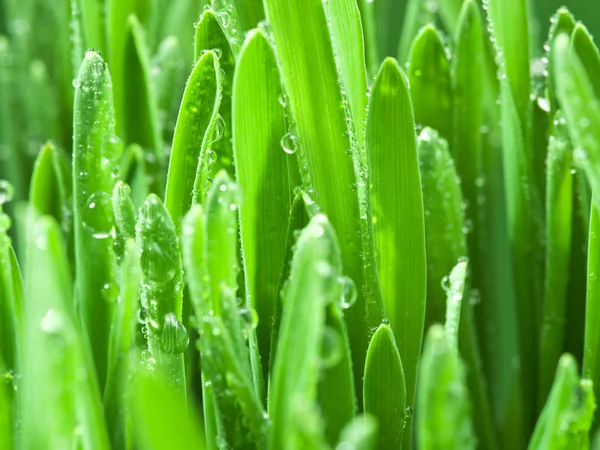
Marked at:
<point>443,403</point>
<point>161,292</point>
<point>94,161</point>
<point>559,210</point>
<point>162,421</point>
<point>263,173</point>
<point>566,419</point>
<point>587,51</point>
<point>312,285</point>
<point>385,388</point>
<point>193,136</point>
<point>211,35</point>
<point>417,15</point>
<point>327,168</point>
<point>360,434</point>
<point>121,352</point>
<point>398,214</point>
<point>430,82</point>
<point>367,15</point>
<point>57,368</point>
<point>562,22</point>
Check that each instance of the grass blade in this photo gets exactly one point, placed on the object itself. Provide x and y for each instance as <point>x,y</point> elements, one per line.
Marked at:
<point>133,172</point>
<point>591,368</point>
<point>265,176</point>
<point>360,434</point>
<point>443,401</point>
<point>559,209</point>
<point>192,134</point>
<point>398,205</point>
<point>566,419</point>
<point>326,167</point>
<point>161,292</point>
<point>95,157</point>
<point>562,22</point>
<point>6,421</point>
<point>57,368</point>
<point>385,388</point>
<point>249,13</point>
<point>312,285</point>
<point>125,218</point>
<point>430,82</point>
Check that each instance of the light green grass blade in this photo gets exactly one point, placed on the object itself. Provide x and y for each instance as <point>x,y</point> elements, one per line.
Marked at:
<point>161,292</point>
<point>587,51</point>
<point>265,173</point>
<point>455,289</point>
<point>249,13</point>
<point>566,419</point>
<point>337,399</point>
<point>430,82</point>
<point>385,389</point>
<point>348,45</point>
<point>360,434</point>
<point>444,411</point>
<point>326,167</point>
<point>211,35</point>
<point>125,218</point>
<point>6,421</point>
<point>161,419</point>
<point>417,15</point>
<point>93,26</point>
<point>559,210</point>
<point>370,28</point>
<point>591,368</point>
<point>94,162</point>
<point>57,368</point>
<point>312,285</point>
<point>450,11</point>
<point>43,117</point>
<point>562,22</point>
<point>133,171</point>
<point>192,138</point>
<point>398,214</point>
<point>122,351</point>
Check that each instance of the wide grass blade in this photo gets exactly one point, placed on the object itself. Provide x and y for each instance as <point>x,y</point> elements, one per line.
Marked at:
<point>312,285</point>
<point>57,369</point>
<point>193,135</point>
<point>161,292</point>
<point>430,82</point>
<point>566,419</point>
<point>385,389</point>
<point>266,175</point>
<point>443,404</point>
<point>417,15</point>
<point>162,421</point>
<point>360,434</point>
<point>94,162</point>
<point>327,168</point>
<point>398,215</point>
<point>559,210</point>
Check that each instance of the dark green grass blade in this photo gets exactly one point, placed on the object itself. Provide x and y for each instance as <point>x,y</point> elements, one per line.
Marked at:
<point>94,29</point>
<point>417,15</point>
<point>263,173</point>
<point>337,398</point>
<point>443,404</point>
<point>370,29</point>
<point>566,419</point>
<point>57,368</point>
<point>384,387</point>
<point>122,351</point>
<point>430,82</point>
<point>303,43</point>
<point>192,134</point>
<point>94,161</point>
<point>161,292</point>
<point>388,15</point>
<point>312,285</point>
<point>360,434</point>
<point>591,368</point>
<point>398,214</point>
<point>210,34</point>
<point>249,13</point>
<point>161,419</point>
<point>133,170</point>
<point>43,118</point>
<point>562,22</point>
<point>559,210</point>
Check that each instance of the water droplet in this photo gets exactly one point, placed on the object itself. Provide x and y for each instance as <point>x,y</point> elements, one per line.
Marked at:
<point>224,18</point>
<point>110,292</point>
<point>174,337</point>
<point>76,83</point>
<point>142,315</point>
<point>283,100</point>
<point>6,192</point>
<point>331,348</point>
<point>218,52</point>
<point>97,215</point>
<point>544,104</point>
<point>250,317</point>
<point>52,322</point>
<point>289,143</point>
<point>349,292</point>
<point>219,128</point>
<point>210,156</point>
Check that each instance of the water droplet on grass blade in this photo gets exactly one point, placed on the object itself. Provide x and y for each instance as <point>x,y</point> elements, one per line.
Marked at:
<point>174,337</point>
<point>349,292</point>
<point>224,18</point>
<point>97,215</point>
<point>52,322</point>
<point>331,348</point>
<point>6,192</point>
<point>289,143</point>
<point>250,317</point>
<point>219,128</point>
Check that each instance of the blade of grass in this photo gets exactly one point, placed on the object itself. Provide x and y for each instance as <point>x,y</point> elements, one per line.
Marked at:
<point>57,368</point>
<point>125,218</point>
<point>302,41</point>
<point>443,403</point>
<point>398,215</point>
<point>94,162</point>
<point>562,22</point>
<point>265,176</point>
<point>430,82</point>
<point>312,285</point>
<point>193,135</point>
<point>370,28</point>
<point>249,13</point>
<point>450,11</point>
<point>591,368</point>
<point>133,171</point>
<point>360,434</point>
<point>417,15</point>
<point>566,419</point>
<point>93,20</point>
<point>6,420</point>
<point>385,388</point>
<point>161,292</point>
<point>559,209</point>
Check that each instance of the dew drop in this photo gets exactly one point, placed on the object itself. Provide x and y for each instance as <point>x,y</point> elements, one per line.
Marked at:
<point>174,337</point>
<point>52,322</point>
<point>331,348</point>
<point>219,128</point>
<point>289,143</point>
<point>250,317</point>
<point>349,292</point>
<point>6,192</point>
<point>224,18</point>
<point>76,83</point>
<point>97,215</point>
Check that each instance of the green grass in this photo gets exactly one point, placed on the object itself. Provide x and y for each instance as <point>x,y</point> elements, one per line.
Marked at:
<point>339,233</point>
